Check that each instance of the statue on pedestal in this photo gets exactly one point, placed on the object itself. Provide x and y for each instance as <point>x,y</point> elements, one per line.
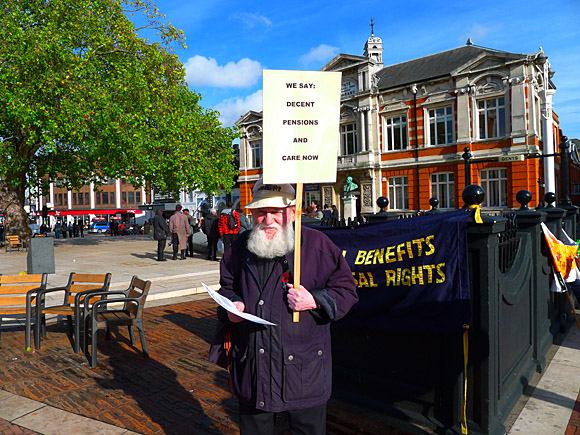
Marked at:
<point>349,187</point>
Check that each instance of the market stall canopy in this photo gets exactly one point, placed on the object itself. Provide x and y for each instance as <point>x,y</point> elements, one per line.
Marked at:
<point>92,211</point>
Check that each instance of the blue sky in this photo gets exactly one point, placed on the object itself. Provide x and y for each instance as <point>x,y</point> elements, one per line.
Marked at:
<point>229,43</point>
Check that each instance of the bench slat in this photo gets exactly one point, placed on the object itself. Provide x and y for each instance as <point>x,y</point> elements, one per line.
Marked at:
<point>89,277</point>
<point>16,279</point>
<point>76,288</point>
<point>12,300</point>
<point>63,310</point>
<point>17,289</point>
<point>7,311</point>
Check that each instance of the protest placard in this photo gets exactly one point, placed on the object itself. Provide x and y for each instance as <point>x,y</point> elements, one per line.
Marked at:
<point>301,134</point>
<point>301,126</point>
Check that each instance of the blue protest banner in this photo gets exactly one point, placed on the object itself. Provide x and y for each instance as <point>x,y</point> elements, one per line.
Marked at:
<point>411,274</point>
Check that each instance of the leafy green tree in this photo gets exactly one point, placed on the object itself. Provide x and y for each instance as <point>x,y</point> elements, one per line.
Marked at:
<point>83,95</point>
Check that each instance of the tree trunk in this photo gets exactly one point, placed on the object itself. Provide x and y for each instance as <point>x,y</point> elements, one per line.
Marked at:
<point>12,206</point>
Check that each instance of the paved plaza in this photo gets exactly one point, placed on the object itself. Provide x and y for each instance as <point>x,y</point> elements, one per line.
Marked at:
<point>176,390</point>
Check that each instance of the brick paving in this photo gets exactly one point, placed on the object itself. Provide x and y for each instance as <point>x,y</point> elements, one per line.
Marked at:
<point>175,391</point>
<point>11,429</point>
<point>574,424</point>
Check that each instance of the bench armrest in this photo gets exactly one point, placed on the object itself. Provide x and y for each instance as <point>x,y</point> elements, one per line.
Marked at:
<point>29,295</point>
<point>103,302</point>
<point>51,290</point>
<point>84,294</point>
<point>102,294</point>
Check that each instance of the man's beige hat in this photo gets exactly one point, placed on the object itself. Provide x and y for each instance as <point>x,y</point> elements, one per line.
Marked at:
<point>271,195</point>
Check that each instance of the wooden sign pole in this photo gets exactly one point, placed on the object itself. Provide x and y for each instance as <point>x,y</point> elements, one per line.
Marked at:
<point>297,237</point>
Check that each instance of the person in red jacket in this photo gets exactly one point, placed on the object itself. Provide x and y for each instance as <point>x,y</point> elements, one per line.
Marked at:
<point>229,225</point>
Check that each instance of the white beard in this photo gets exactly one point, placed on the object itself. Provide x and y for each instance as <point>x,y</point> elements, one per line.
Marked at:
<point>281,244</point>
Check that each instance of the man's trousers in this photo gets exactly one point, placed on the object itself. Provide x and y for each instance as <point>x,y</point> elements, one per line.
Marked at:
<point>309,421</point>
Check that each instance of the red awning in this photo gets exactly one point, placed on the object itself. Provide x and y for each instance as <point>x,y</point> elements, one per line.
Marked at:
<point>93,211</point>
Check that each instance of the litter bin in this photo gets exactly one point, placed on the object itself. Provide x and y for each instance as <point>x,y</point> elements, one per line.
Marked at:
<point>40,255</point>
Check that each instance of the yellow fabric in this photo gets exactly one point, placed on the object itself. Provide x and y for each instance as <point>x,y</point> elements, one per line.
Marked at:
<point>464,406</point>
<point>477,215</point>
<point>563,256</point>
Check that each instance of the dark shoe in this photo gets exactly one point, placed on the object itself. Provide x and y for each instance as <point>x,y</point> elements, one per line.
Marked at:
<point>174,258</point>
<point>161,259</point>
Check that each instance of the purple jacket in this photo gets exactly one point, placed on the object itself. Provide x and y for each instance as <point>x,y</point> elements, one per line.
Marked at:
<point>288,366</point>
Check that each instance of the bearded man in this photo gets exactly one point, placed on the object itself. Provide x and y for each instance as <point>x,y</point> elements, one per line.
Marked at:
<point>287,367</point>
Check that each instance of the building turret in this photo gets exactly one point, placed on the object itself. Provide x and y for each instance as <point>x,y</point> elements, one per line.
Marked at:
<point>374,47</point>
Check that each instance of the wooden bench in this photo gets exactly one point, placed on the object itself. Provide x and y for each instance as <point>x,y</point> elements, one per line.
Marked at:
<point>129,313</point>
<point>18,298</point>
<point>13,242</point>
<point>74,297</point>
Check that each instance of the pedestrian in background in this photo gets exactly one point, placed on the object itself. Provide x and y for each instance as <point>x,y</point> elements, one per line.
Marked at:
<point>189,248</point>
<point>229,225</point>
<point>326,215</point>
<point>244,221</point>
<point>319,214</point>
<point>335,218</point>
<point>179,227</point>
<point>160,233</point>
<point>210,227</point>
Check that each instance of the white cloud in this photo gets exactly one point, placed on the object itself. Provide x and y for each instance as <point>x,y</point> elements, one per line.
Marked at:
<point>203,71</point>
<point>322,53</point>
<point>478,33</point>
<point>251,20</point>
<point>232,108</point>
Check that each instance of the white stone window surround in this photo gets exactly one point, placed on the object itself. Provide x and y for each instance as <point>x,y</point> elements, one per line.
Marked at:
<point>348,139</point>
<point>489,87</point>
<point>388,117</point>
<point>255,151</point>
<point>254,154</point>
<point>433,103</point>
<point>492,113</point>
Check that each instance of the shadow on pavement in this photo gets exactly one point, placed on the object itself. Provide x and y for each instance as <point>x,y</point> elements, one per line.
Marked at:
<point>191,324</point>
<point>77,241</point>
<point>147,255</point>
<point>168,407</point>
<point>172,392</point>
<point>175,391</point>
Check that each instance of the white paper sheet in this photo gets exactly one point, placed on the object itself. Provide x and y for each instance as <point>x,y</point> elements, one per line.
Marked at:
<point>229,305</point>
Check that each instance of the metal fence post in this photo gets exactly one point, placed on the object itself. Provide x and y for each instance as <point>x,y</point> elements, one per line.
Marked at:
<point>529,221</point>
<point>467,157</point>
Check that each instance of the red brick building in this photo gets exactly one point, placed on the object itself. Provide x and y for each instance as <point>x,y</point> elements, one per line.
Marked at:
<point>404,129</point>
<point>113,198</point>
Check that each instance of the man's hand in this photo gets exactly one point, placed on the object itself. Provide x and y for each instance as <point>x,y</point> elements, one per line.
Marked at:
<point>237,319</point>
<point>300,299</point>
